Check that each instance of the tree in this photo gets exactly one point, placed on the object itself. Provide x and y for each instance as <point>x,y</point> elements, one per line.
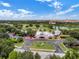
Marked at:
<point>30,25</point>
<point>13,55</point>
<point>37,56</point>
<point>70,39</point>
<point>1,58</point>
<point>71,54</point>
<point>6,46</point>
<point>54,57</point>
<point>74,34</point>
<point>19,55</point>
<point>20,40</point>
<point>37,25</point>
<point>31,32</point>
<point>4,36</point>
<point>27,55</point>
<point>50,26</point>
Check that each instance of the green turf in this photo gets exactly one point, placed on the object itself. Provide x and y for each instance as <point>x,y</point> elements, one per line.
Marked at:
<point>19,44</point>
<point>42,45</point>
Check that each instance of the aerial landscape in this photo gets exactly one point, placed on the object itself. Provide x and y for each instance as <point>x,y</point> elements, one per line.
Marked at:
<point>39,29</point>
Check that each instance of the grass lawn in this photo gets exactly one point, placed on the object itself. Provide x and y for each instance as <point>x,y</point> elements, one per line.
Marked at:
<point>19,44</point>
<point>42,45</point>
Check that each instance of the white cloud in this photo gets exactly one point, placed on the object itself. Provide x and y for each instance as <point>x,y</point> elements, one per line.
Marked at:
<point>56,4</point>
<point>64,12</point>
<point>6,13</point>
<point>16,15</point>
<point>45,17</point>
<point>53,3</point>
<point>72,17</point>
<point>24,11</point>
<point>5,4</point>
<point>72,8</point>
<point>44,0</point>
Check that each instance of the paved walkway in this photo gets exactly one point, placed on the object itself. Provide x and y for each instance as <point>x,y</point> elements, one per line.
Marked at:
<point>46,54</point>
<point>43,54</point>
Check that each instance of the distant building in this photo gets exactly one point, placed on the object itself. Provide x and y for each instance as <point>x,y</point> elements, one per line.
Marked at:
<point>44,34</point>
<point>47,35</point>
<point>63,21</point>
<point>13,35</point>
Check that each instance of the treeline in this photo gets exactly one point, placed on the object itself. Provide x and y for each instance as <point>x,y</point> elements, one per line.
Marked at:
<point>68,24</point>
<point>26,21</point>
<point>25,55</point>
<point>71,54</point>
<point>72,33</point>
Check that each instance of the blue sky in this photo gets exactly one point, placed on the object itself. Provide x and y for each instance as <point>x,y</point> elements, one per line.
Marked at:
<point>39,9</point>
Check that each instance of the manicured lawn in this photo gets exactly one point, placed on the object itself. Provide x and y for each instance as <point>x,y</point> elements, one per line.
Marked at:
<point>19,44</point>
<point>42,45</point>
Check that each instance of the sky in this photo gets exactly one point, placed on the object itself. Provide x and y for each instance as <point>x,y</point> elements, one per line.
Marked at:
<point>39,9</point>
